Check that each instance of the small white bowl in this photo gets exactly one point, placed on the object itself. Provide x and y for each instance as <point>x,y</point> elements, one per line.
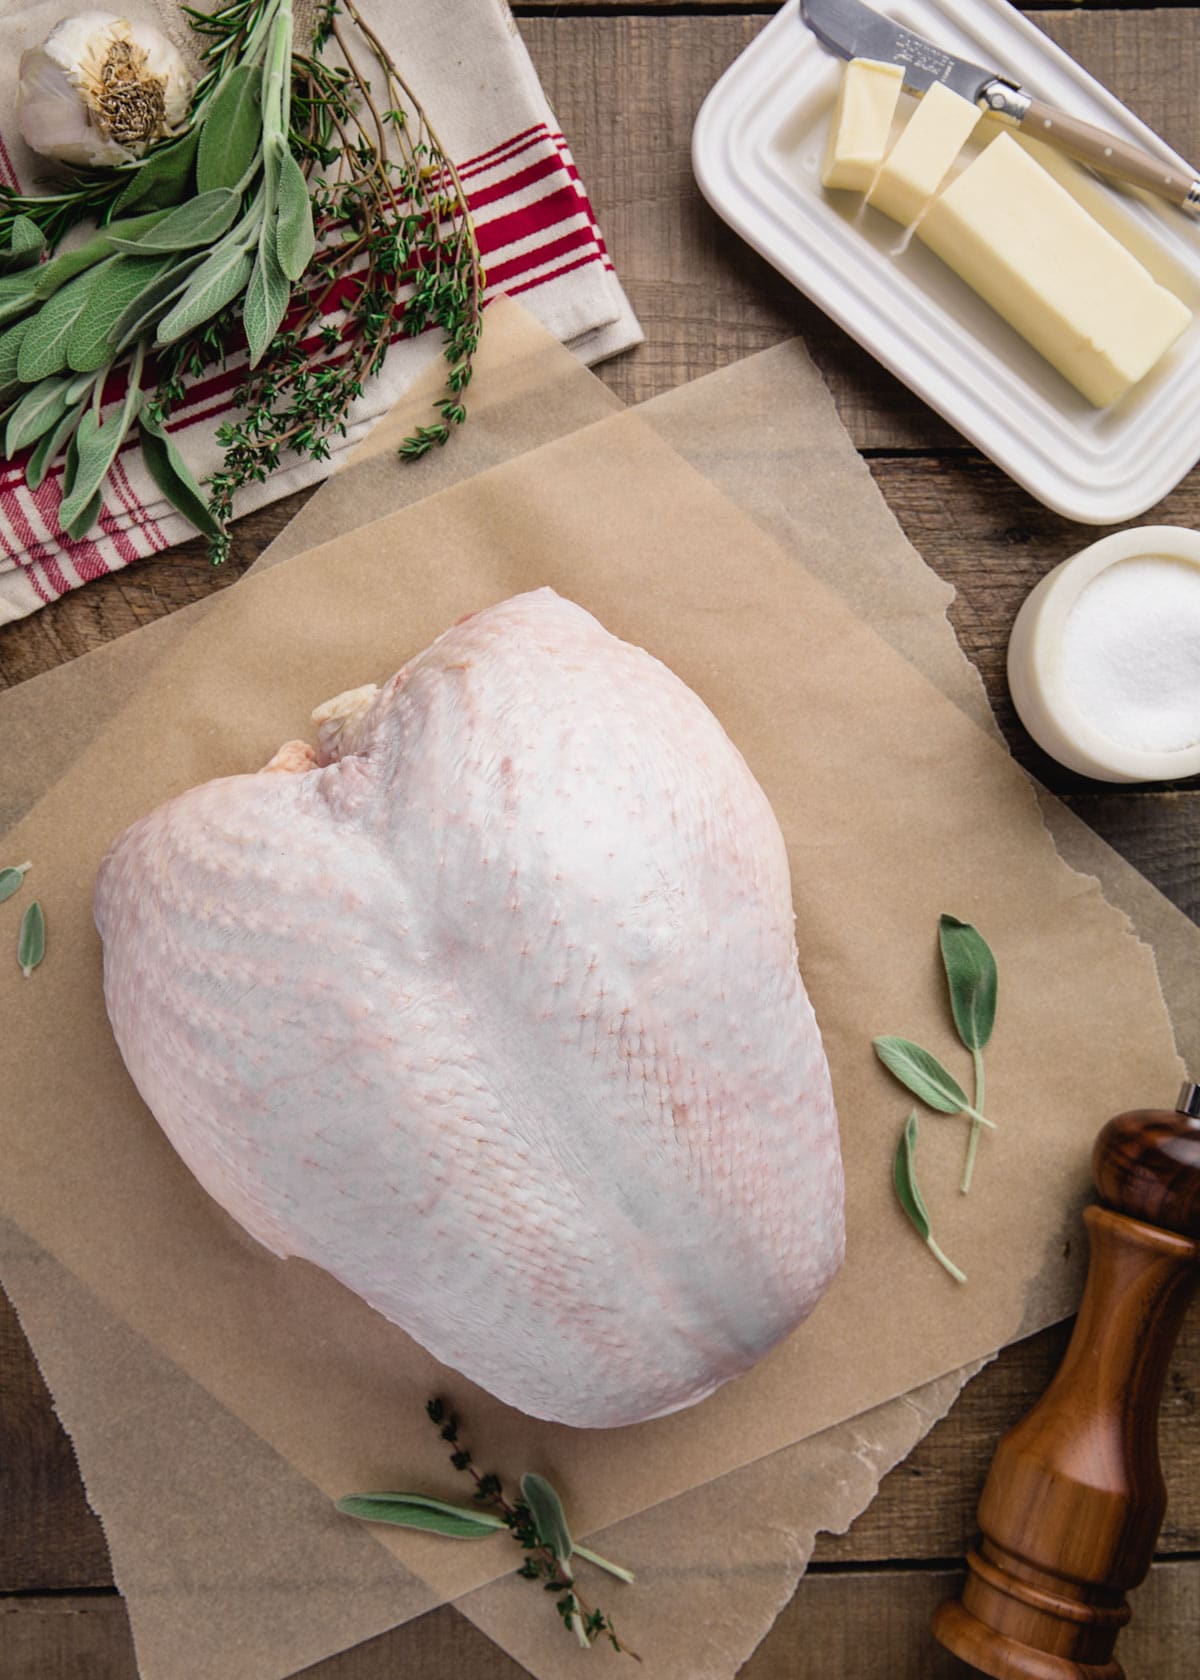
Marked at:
<point>1035,662</point>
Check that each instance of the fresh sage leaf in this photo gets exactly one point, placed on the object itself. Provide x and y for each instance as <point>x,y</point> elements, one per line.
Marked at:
<point>908,1191</point>
<point>18,295</point>
<point>295,240</point>
<point>68,264</point>
<point>26,235</point>
<point>220,279</point>
<point>96,444</point>
<point>31,940</point>
<point>924,1076</point>
<point>10,349</point>
<point>155,299</point>
<point>82,520</point>
<point>70,465</point>
<point>549,1518</point>
<point>11,878</point>
<point>173,476</point>
<point>267,294</point>
<point>414,1510</point>
<point>162,180</point>
<point>971,975</point>
<point>49,445</point>
<point>25,245</point>
<point>44,346</point>
<point>198,222</point>
<point>231,131</point>
<point>117,287</point>
<point>42,407</point>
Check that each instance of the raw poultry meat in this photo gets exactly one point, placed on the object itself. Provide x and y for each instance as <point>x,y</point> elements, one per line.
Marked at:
<point>490,1006</point>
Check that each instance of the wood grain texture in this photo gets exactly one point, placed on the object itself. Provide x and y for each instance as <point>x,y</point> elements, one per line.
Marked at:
<point>49,1535</point>
<point>871,1625</point>
<point>626,79</point>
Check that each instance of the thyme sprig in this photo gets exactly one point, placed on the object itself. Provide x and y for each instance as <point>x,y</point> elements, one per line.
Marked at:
<point>398,254</point>
<point>535,1520</point>
<point>308,212</point>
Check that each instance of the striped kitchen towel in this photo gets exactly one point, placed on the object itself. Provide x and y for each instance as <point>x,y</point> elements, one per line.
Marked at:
<point>536,231</point>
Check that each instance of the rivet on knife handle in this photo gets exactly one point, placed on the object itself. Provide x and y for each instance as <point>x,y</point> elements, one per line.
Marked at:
<point>1094,146</point>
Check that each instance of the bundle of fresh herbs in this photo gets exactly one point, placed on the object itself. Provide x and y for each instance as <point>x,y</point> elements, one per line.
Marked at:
<point>535,1520</point>
<point>307,214</point>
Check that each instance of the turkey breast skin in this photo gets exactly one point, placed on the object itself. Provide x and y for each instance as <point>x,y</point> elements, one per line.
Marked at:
<point>491,1008</point>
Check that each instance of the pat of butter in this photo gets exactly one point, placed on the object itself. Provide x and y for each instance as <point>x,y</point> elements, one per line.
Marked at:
<point>1074,292</point>
<point>862,123</point>
<point>920,160</point>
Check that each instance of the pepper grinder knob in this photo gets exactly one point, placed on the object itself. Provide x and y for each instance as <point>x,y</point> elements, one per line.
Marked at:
<point>1074,1499</point>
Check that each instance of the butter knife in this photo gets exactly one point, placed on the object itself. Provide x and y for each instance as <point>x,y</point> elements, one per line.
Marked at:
<point>853,30</point>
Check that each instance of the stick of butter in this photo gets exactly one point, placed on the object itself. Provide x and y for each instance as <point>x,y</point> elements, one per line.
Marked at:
<point>862,123</point>
<point>920,160</point>
<point>1034,253</point>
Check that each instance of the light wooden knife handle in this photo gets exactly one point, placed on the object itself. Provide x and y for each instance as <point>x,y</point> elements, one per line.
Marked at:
<point>1110,155</point>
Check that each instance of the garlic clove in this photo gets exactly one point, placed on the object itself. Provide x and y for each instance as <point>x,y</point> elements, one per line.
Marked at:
<point>100,89</point>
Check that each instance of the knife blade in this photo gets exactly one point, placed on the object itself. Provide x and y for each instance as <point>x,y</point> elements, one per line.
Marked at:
<point>854,30</point>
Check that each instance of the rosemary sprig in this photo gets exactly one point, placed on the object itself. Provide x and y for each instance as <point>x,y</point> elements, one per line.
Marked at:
<point>298,214</point>
<point>536,1522</point>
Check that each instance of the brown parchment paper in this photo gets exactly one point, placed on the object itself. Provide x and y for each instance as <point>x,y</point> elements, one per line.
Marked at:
<point>619,451</point>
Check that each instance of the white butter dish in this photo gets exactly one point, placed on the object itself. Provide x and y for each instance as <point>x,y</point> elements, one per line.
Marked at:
<point>1104,657</point>
<point>757,150</point>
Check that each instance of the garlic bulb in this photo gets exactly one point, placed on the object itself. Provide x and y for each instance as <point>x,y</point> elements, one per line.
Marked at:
<point>100,89</point>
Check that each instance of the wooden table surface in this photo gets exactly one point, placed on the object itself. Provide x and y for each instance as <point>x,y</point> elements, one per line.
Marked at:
<point>626,80</point>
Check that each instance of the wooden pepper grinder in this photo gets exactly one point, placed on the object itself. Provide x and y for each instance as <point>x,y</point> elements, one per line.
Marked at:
<point>1074,1499</point>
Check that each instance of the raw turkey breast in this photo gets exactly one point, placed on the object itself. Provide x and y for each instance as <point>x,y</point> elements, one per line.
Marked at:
<point>490,1007</point>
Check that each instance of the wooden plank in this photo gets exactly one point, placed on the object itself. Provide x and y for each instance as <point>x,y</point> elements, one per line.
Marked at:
<point>65,1638</point>
<point>626,91</point>
<point>706,300</point>
<point>1159,833</point>
<point>49,1536</point>
<point>873,1625</point>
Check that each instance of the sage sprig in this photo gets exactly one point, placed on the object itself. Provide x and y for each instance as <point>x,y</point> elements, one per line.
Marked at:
<point>904,1177</point>
<point>31,939</point>
<point>536,1521</point>
<point>971,978</point>
<point>973,982</point>
<point>970,970</point>
<point>300,193</point>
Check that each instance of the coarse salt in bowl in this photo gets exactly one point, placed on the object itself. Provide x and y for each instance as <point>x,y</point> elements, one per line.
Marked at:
<point>1104,657</point>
